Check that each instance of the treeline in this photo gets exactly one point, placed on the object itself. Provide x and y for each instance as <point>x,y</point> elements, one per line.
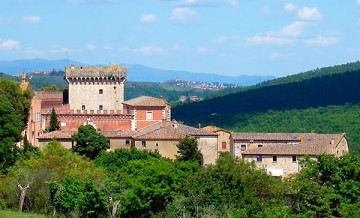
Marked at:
<point>133,183</point>
<point>336,89</point>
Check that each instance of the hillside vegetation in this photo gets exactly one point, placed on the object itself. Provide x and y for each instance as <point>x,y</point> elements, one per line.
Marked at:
<point>325,100</point>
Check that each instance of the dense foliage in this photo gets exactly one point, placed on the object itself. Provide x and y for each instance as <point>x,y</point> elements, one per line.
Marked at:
<point>188,150</point>
<point>89,142</point>
<point>54,123</point>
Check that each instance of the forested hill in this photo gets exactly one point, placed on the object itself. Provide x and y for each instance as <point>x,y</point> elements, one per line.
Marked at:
<point>336,89</point>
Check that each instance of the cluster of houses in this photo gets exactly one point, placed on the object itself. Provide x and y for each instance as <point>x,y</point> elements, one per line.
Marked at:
<point>96,97</point>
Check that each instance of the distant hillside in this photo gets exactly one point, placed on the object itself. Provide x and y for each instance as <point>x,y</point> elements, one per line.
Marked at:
<point>132,89</point>
<point>136,72</point>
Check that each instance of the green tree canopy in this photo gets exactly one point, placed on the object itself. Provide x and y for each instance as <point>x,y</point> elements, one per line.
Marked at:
<point>188,150</point>
<point>51,88</point>
<point>10,128</point>
<point>54,123</point>
<point>89,142</point>
<point>20,100</point>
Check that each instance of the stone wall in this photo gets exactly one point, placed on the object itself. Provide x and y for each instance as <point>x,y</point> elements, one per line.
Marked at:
<point>208,146</point>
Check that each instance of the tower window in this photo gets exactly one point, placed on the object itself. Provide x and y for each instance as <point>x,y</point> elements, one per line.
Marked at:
<point>100,91</point>
<point>259,146</point>
<point>100,107</point>
<point>243,147</point>
<point>294,158</point>
<point>127,142</point>
<point>149,115</point>
<point>259,158</point>
<point>223,145</point>
<point>83,107</point>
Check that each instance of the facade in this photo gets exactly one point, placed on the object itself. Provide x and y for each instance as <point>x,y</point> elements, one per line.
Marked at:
<point>224,138</point>
<point>96,88</point>
<point>279,153</point>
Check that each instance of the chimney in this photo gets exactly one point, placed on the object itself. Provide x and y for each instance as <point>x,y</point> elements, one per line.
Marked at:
<point>199,125</point>
<point>161,97</point>
<point>175,124</point>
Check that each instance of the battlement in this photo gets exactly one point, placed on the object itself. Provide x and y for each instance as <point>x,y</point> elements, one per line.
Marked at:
<point>113,71</point>
<point>79,112</point>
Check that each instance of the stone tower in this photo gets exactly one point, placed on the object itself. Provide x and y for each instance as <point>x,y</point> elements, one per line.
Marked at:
<point>96,88</point>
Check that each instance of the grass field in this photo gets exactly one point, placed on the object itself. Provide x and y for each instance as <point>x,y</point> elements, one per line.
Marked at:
<point>13,214</point>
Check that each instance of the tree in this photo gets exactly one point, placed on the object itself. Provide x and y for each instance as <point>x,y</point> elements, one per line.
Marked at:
<point>20,100</point>
<point>188,150</point>
<point>50,88</point>
<point>54,123</point>
<point>89,142</point>
<point>10,128</point>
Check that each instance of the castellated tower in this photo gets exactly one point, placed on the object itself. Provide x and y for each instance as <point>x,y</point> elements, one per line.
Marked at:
<point>96,88</point>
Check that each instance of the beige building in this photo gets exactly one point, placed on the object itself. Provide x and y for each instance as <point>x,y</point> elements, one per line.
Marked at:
<point>279,153</point>
<point>96,88</point>
<point>224,138</point>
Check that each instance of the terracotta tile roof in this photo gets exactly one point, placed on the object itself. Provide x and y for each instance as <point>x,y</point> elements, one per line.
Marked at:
<point>48,95</point>
<point>169,130</point>
<point>116,134</point>
<point>310,144</point>
<point>146,101</point>
<point>266,136</point>
<point>214,129</point>
<point>57,135</point>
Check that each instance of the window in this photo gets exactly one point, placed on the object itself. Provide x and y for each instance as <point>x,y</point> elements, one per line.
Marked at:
<point>259,158</point>
<point>223,145</point>
<point>37,116</point>
<point>101,91</point>
<point>149,115</point>
<point>100,107</point>
<point>294,158</point>
<point>83,107</point>
<point>259,146</point>
<point>274,158</point>
<point>157,145</point>
<point>143,144</point>
<point>127,141</point>
<point>243,147</point>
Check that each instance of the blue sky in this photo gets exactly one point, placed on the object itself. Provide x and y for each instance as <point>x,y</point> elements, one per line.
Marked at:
<point>227,37</point>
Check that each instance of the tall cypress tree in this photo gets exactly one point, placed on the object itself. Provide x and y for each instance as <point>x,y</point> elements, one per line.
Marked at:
<point>54,123</point>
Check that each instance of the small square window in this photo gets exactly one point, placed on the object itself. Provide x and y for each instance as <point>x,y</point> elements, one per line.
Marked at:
<point>143,144</point>
<point>259,146</point>
<point>127,141</point>
<point>100,107</point>
<point>274,158</point>
<point>83,107</point>
<point>259,158</point>
<point>223,145</point>
<point>243,147</point>
<point>294,158</point>
<point>157,145</point>
<point>101,91</point>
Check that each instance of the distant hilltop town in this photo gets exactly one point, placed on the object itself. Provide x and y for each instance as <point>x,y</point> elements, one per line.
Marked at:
<point>199,85</point>
<point>96,97</point>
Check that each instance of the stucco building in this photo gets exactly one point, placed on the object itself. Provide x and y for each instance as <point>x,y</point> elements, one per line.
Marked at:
<point>279,153</point>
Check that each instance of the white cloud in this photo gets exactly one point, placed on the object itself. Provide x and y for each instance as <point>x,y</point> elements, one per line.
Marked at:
<point>290,8</point>
<point>148,18</point>
<point>307,13</point>
<point>90,47</point>
<point>150,50</point>
<point>203,50</point>
<point>10,45</point>
<point>269,39</point>
<point>294,29</point>
<point>225,39</point>
<point>31,19</point>
<point>182,15</point>
<point>322,41</point>
<point>276,55</point>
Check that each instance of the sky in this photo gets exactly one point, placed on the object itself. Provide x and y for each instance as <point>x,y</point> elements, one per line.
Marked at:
<point>226,37</point>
